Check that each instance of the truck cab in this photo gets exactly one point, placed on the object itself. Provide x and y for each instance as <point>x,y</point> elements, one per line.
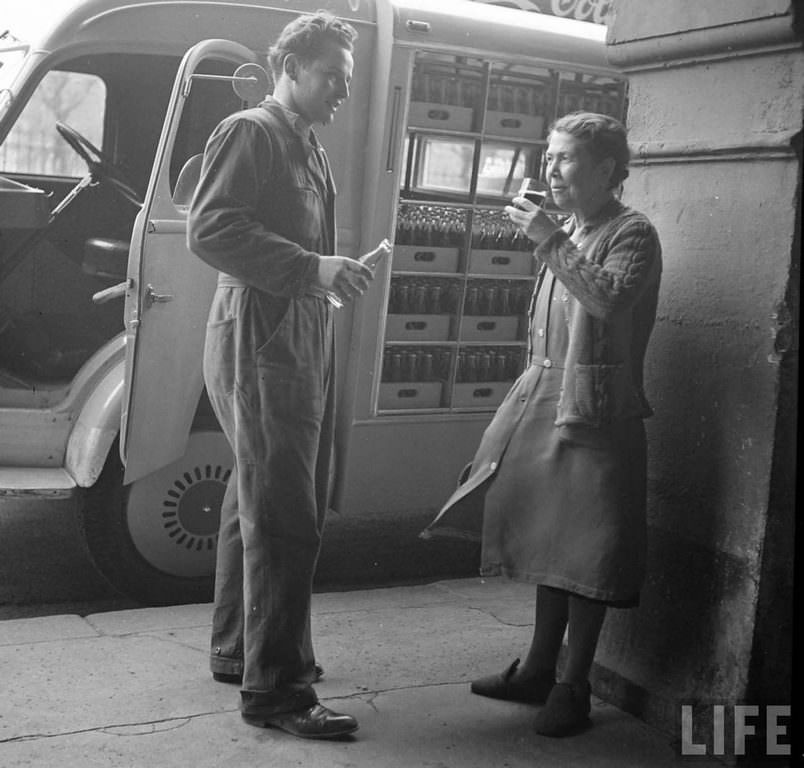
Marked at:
<point>103,122</point>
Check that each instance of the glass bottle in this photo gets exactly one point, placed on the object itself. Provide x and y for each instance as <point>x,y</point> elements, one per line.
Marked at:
<point>484,367</point>
<point>500,372</point>
<point>434,300</point>
<point>489,300</point>
<point>460,366</point>
<point>410,365</point>
<point>426,367</point>
<point>471,303</point>
<point>419,300</point>
<point>504,301</point>
<point>470,367</point>
<point>402,298</point>
<point>396,366</point>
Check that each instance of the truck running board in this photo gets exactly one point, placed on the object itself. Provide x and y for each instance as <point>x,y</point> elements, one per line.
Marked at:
<point>32,482</point>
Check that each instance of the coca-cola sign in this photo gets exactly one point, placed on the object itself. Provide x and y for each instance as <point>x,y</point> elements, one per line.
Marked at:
<point>585,10</point>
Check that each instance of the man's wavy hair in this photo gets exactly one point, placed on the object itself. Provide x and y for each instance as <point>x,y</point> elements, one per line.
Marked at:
<point>305,37</point>
<point>603,136</point>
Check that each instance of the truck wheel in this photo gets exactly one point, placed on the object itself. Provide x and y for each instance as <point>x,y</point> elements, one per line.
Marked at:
<point>155,539</point>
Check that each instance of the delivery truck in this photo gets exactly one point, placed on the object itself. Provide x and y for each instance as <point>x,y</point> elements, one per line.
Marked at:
<point>103,122</point>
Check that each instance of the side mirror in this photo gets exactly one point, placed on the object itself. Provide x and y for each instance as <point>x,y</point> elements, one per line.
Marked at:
<point>251,83</point>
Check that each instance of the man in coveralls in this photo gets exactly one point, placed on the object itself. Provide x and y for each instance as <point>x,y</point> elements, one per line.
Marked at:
<point>264,216</point>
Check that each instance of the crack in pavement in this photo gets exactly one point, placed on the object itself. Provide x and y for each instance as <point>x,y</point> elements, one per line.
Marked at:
<point>121,729</point>
<point>148,727</point>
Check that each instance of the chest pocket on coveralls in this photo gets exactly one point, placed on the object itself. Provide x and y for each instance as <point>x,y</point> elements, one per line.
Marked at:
<point>308,216</point>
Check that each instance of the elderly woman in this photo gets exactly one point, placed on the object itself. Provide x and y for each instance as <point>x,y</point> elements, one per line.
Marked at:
<point>561,469</point>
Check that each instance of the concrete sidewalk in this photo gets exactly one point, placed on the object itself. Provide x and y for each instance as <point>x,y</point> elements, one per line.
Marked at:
<point>132,688</point>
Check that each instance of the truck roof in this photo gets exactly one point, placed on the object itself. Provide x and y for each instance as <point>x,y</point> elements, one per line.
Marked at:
<point>171,26</point>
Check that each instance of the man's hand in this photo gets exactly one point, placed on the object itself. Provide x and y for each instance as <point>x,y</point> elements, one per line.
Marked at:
<point>343,277</point>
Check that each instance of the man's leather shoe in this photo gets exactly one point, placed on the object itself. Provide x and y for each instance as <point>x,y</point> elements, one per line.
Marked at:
<point>504,686</point>
<point>226,677</point>
<point>315,722</point>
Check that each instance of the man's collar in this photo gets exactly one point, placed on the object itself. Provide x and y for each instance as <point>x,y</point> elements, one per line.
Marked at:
<point>297,122</point>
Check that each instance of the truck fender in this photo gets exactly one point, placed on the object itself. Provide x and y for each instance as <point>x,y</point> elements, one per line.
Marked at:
<point>96,428</point>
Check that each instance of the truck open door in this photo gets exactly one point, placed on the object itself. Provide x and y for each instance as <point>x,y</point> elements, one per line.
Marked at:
<point>169,289</point>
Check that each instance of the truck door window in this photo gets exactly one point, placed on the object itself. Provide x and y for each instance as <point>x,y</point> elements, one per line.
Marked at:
<point>208,103</point>
<point>33,148</point>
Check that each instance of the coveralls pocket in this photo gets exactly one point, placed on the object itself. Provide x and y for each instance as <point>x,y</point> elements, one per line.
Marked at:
<point>302,212</point>
<point>219,356</point>
<point>289,364</point>
<point>266,331</point>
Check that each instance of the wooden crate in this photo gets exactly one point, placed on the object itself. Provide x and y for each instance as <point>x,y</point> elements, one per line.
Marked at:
<point>409,395</point>
<point>479,394</point>
<point>417,327</point>
<point>425,114</point>
<point>518,126</point>
<point>491,328</point>
<point>425,258</point>
<point>496,262</point>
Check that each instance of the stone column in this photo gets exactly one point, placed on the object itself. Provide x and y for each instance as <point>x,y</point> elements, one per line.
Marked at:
<point>715,121</point>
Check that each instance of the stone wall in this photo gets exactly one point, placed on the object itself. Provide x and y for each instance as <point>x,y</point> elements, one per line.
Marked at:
<point>715,120</point>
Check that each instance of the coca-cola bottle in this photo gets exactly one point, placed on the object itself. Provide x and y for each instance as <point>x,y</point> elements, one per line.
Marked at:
<point>455,237</point>
<point>402,298</point>
<point>434,300</point>
<point>470,367</point>
<point>419,300</point>
<point>484,367</point>
<point>403,229</point>
<point>471,302</point>
<point>410,365</point>
<point>488,300</point>
<point>460,365</point>
<point>426,372</point>
<point>396,366</point>
<point>500,367</point>
<point>504,301</point>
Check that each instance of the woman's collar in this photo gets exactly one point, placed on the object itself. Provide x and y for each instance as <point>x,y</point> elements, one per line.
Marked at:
<point>611,208</point>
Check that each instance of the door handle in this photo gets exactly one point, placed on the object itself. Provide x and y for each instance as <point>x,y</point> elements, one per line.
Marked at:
<point>101,297</point>
<point>152,297</point>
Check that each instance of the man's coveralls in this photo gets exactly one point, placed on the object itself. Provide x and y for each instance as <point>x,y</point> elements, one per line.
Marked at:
<point>263,211</point>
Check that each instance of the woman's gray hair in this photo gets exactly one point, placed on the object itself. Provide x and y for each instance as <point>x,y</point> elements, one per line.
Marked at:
<point>604,136</point>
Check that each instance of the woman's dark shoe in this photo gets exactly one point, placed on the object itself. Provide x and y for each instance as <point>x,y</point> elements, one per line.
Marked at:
<point>533,690</point>
<point>315,722</point>
<point>566,711</point>
<point>226,677</point>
